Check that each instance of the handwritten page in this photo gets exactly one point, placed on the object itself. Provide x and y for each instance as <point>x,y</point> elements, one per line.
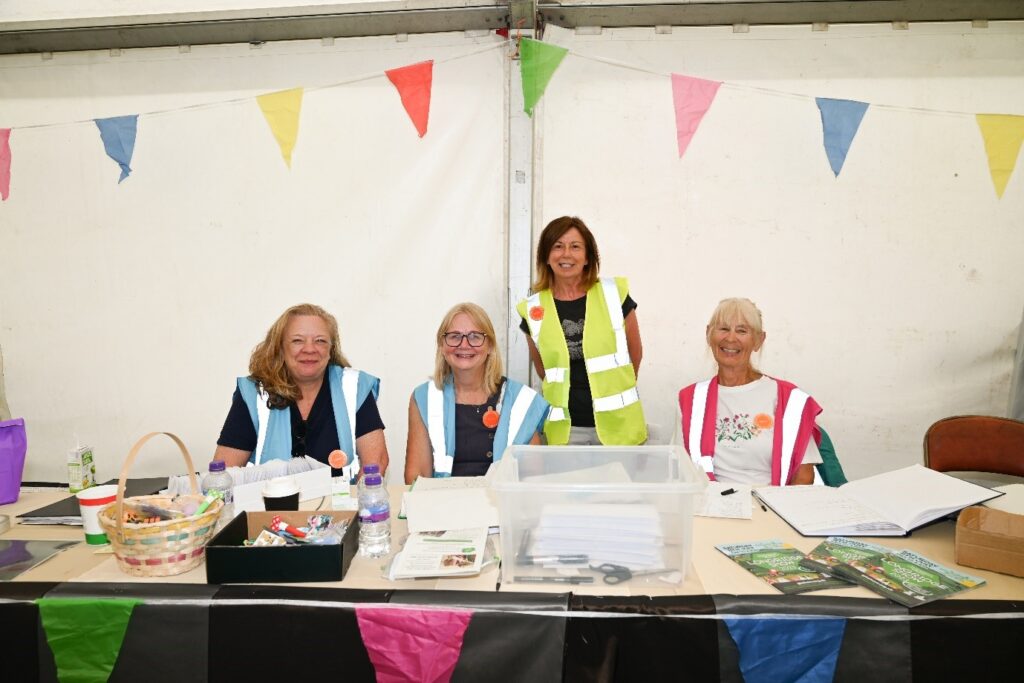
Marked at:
<point>734,505</point>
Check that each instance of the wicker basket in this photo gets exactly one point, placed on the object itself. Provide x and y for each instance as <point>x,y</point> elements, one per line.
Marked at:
<point>163,548</point>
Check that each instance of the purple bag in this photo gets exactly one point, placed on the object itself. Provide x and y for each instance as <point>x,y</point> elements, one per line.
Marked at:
<point>13,445</point>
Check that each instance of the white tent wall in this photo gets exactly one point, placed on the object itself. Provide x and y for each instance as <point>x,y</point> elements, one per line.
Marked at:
<point>891,293</point>
<point>127,308</point>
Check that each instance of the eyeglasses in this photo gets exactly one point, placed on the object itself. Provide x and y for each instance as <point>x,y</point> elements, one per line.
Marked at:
<point>475,339</point>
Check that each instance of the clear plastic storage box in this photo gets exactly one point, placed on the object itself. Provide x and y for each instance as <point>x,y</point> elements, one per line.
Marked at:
<point>596,515</point>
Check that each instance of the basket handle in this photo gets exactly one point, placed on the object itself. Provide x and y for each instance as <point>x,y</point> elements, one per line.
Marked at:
<point>123,477</point>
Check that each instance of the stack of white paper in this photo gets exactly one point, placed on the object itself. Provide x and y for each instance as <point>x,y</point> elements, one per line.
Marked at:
<point>629,535</point>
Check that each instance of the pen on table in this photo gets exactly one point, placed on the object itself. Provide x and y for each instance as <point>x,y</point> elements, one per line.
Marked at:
<point>554,579</point>
<point>759,501</point>
<point>728,492</point>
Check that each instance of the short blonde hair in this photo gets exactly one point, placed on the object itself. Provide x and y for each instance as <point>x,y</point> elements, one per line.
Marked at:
<point>267,367</point>
<point>736,309</point>
<point>493,368</point>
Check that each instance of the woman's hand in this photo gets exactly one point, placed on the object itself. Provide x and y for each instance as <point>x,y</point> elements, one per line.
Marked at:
<point>804,475</point>
<point>419,456</point>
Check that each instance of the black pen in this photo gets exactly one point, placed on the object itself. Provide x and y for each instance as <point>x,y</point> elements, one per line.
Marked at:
<point>553,579</point>
<point>728,492</point>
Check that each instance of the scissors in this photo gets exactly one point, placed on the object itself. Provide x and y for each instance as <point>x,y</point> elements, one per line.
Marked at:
<point>616,573</point>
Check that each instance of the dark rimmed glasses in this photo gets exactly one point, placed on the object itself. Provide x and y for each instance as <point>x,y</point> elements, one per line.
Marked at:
<point>475,339</point>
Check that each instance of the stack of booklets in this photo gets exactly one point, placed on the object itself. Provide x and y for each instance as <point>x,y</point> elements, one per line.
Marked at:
<point>900,575</point>
<point>837,562</point>
<point>626,534</point>
<point>440,554</point>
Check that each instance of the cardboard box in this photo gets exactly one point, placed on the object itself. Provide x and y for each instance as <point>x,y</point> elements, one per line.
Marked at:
<point>990,539</point>
<point>228,561</point>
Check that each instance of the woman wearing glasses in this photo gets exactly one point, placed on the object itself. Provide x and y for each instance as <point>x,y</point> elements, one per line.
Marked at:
<point>462,419</point>
<point>584,341</point>
<point>303,398</point>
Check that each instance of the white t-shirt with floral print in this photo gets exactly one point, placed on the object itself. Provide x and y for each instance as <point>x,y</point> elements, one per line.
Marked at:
<point>745,431</point>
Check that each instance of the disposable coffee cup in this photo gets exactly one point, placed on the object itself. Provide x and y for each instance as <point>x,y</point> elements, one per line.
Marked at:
<point>91,501</point>
<point>281,493</point>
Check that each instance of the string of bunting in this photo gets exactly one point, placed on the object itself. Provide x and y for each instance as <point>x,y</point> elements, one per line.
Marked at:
<point>692,97</point>
<point>281,109</point>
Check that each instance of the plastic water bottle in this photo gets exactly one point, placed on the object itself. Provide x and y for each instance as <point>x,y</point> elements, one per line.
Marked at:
<point>218,479</point>
<point>374,518</point>
<point>367,471</point>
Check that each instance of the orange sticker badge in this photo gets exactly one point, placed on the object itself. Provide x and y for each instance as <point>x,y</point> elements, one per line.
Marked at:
<point>763,421</point>
<point>537,313</point>
<point>490,418</point>
<point>337,459</point>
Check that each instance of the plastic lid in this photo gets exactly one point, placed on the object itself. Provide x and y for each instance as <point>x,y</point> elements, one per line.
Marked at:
<point>371,469</point>
<point>217,466</point>
<point>372,480</point>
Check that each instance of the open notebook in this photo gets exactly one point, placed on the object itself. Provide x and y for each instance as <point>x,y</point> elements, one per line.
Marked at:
<point>889,504</point>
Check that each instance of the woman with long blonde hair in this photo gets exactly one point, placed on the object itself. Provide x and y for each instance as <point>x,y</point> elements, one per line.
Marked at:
<point>463,418</point>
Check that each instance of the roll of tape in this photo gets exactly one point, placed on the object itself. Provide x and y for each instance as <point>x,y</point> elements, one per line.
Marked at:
<point>5,523</point>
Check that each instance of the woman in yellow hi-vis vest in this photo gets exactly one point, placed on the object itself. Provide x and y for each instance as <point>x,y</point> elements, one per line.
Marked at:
<point>584,341</point>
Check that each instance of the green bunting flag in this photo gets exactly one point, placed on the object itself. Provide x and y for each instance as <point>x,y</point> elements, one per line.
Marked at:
<point>85,635</point>
<point>537,63</point>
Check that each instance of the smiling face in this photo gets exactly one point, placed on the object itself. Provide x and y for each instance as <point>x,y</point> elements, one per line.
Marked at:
<point>307,347</point>
<point>464,356</point>
<point>732,342</point>
<point>568,256</point>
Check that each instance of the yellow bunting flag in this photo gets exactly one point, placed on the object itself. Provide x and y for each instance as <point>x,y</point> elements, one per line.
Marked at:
<point>1003,134</point>
<point>281,110</point>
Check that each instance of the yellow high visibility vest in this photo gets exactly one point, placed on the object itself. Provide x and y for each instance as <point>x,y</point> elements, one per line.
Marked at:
<point>618,415</point>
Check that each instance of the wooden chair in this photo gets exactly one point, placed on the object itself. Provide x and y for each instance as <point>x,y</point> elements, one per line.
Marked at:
<point>975,443</point>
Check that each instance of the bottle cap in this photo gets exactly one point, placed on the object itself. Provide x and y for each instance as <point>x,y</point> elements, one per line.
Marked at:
<point>217,466</point>
<point>371,469</point>
<point>372,480</point>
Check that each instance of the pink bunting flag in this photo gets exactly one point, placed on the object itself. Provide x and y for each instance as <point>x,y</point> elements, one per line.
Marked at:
<point>408,644</point>
<point>692,98</point>
<point>5,163</point>
<point>413,83</point>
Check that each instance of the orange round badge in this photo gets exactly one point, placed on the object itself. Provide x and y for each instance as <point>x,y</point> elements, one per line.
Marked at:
<point>763,421</point>
<point>537,313</point>
<point>337,459</point>
<point>490,418</point>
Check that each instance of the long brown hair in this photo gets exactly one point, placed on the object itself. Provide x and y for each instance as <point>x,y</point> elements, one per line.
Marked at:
<point>554,232</point>
<point>266,364</point>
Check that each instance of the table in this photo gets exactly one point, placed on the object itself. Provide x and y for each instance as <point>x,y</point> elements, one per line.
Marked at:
<point>594,633</point>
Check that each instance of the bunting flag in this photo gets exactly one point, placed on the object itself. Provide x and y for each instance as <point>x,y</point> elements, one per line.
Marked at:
<point>692,98</point>
<point>537,64</point>
<point>281,109</point>
<point>5,163</point>
<point>840,120</point>
<point>1002,134</point>
<point>413,83</point>
<point>85,635</point>
<point>787,649</point>
<point>412,644</point>
<point>118,135</point>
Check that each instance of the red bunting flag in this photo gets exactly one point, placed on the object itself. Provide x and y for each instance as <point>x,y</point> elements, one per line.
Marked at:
<point>413,83</point>
<point>5,163</point>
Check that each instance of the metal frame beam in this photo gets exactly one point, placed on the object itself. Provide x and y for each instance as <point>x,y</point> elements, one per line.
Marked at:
<point>618,14</point>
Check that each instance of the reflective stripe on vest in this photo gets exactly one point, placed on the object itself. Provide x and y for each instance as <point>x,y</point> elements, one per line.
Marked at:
<point>518,413</point>
<point>616,401</point>
<point>551,375</point>
<point>790,427</point>
<point>695,433</point>
<point>349,385</point>
<point>435,430</point>
<point>263,417</point>
<point>620,357</point>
